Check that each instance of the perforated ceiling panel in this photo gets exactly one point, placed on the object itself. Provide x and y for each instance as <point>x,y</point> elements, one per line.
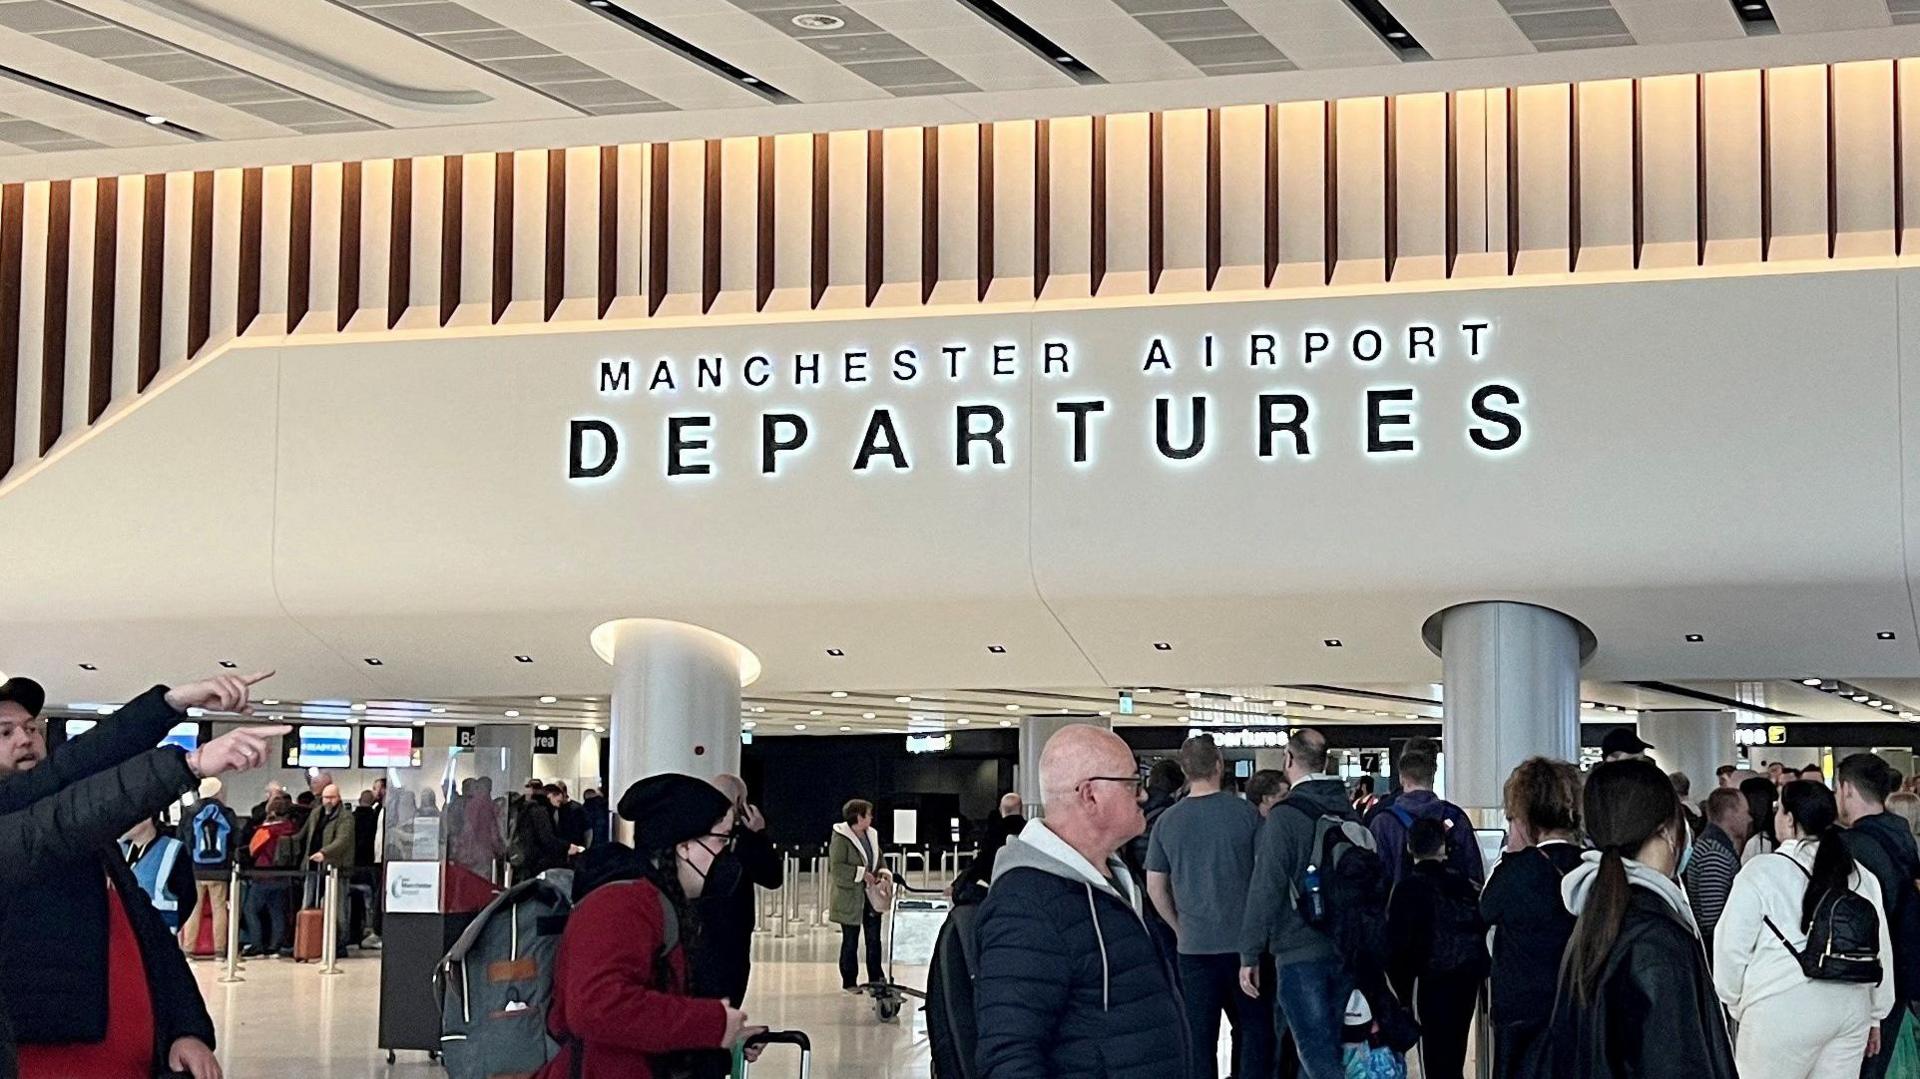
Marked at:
<point>58,23</point>
<point>510,54</point>
<point>860,45</point>
<point>1209,34</point>
<point>1555,25</point>
<point>38,137</point>
<point>1904,11</point>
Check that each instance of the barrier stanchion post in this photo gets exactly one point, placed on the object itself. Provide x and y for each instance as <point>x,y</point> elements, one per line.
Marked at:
<point>233,929</point>
<point>330,932</point>
<point>820,890</point>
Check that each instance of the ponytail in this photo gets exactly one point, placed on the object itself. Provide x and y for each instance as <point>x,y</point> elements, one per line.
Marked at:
<point>1597,928</point>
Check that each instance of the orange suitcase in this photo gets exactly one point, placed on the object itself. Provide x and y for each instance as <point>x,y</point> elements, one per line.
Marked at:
<point>309,927</point>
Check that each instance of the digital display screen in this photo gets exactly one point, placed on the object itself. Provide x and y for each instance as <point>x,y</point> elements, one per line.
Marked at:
<point>78,727</point>
<point>185,735</point>
<point>388,747</point>
<point>321,747</point>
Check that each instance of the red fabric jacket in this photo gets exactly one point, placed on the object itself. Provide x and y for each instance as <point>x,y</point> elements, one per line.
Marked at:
<point>606,995</point>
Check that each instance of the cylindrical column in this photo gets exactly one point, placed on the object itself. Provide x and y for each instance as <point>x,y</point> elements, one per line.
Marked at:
<point>1696,743</point>
<point>1034,732</point>
<point>676,699</point>
<point>1512,673</point>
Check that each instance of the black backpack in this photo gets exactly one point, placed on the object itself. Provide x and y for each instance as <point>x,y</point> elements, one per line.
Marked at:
<point>1342,889</point>
<point>1459,932</point>
<point>952,1031</point>
<point>1843,941</point>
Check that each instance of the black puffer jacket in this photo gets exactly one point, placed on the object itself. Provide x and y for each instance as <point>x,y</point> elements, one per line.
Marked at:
<point>1655,1014</point>
<point>1069,984</point>
<point>53,929</point>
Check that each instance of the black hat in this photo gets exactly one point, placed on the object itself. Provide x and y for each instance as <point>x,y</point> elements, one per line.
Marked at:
<point>24,692</point>
<point>1622,740</point>
<point>671,808</point>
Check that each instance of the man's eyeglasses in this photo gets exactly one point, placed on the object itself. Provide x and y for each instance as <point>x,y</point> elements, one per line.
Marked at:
<point>1131,781</point>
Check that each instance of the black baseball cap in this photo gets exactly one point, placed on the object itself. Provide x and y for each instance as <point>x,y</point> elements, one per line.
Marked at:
<point>24,692</point>
<point>1622,740</point>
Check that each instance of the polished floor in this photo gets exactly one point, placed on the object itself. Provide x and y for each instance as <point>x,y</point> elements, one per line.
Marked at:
<point>288,1019</point>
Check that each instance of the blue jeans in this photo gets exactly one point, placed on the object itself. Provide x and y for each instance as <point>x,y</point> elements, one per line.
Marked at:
<point>1313,1004</point>
<point>1210,985</point>
<point>266,914</point>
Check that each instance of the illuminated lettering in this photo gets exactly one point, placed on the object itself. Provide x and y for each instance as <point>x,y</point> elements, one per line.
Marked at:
<point>1196,426</point>
<point>1484,402</point>
<point>1296,423</point>
<point>1378,420</point>
<point>680,443</point>
<point>616,378</point>
<point>965,435</point>
<point>772,444</point>
<point>577,433</point>
<point>1080,410</point>
<point>881,438</point>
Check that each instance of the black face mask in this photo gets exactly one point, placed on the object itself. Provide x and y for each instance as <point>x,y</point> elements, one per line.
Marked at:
<point>723,876</point>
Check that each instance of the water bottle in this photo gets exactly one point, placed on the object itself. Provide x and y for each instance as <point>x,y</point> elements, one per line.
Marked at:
<point>1314,899</point>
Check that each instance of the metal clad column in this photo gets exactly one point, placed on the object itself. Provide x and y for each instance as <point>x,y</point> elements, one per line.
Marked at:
<point>1512,673</point>
<point>676,699</point>
<point>1692,742</point>
<point>1034,732</point>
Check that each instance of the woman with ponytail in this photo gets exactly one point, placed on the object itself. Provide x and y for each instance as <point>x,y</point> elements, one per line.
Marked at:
<point>1635,996</point>
<point>1791,1026</point>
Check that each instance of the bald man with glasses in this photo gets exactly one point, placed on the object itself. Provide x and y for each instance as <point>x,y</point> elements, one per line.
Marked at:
<point>1068,981</point>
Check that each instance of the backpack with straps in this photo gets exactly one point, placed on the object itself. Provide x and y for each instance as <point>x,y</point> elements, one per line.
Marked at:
<point>1342,889</point>
<point>495,983</point>
<point>1459,932</point>
<point>211,837</point>
<point>1843,940</point>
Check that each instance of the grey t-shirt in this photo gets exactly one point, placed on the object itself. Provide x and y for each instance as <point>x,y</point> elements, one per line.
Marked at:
<point>1205,845</point>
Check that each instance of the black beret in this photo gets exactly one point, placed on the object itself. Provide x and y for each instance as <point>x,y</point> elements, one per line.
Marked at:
<point>671,808</point>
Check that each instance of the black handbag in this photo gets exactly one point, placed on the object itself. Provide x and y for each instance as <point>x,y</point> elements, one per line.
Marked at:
<point>1843,939</point>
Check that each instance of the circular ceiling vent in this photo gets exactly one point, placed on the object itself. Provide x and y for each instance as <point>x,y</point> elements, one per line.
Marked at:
<point>816,21</point>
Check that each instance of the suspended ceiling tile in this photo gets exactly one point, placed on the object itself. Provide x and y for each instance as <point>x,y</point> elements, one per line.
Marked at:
<point>1819,16</point>
<point>977,51</point>
<point>1462,29</point>
<point>1104,38</point>
<point>1662,22</point>
<point>1317,33</point>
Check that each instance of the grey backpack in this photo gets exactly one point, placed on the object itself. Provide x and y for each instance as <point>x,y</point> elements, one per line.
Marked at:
<point>496,981</point>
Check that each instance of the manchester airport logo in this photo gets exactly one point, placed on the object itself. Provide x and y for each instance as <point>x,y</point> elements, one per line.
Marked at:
<point>1188,417</point>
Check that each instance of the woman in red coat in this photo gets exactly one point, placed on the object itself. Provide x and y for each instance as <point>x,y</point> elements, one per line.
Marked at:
<point>620,1000</point>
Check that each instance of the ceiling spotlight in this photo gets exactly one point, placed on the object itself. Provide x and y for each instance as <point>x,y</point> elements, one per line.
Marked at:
<point>549,700</point>
<point>1162,646</point>
<point>835,653</point>
<point>1873,704</point>
<point>903,700</point>
<point>749,80</point>
<point>513,713</point>
<point>1063,59</point>
<point>439,711</point>
<point>1396,35</point>
<point>88,667</point>
<point>1809,681</point>
<point>1333,642</point>
<point>229,664</point>
<point>1013,708</point>
<point>356,708</point>
<point>156,120</point>
<point>1888,708</point>
<point>1885,635</point>
<point>799,726</point>
<point>1633,711</point>
<point>1860,697</point>
<point>747,726</point>
<point>372,662</point>
<point>844,730</point>
<point>1143,715</point>
<point>597,3</point>
<point>1694,638</point>
<point>997,649</point>
<point>1587,704</point>
<point>1317,707</point>
<point>1613,708</point>
<point>1006,723</point>
<point>963,721</point>
<point>815,712</point>
<point>419,722</point>
<point>818,21</point>
<point>866,715</point>
<point>838,693</point>
<point>1106,713</point>
<point>523,659</point>
<point>269,702</point>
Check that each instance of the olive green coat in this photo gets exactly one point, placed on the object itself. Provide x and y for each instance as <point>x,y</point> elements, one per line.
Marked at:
<point>847,899</point>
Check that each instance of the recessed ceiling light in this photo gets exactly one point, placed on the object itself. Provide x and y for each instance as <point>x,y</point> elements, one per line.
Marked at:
<point>838,693</point>
<point>512,713</point>
<point>1885,635</point>
<point>356,708</point>
<point>997,649</point>
<point>1237,699</point>
<point>799,726</point>
<point>815,712</point>
<point>523,659</point>
<point>759,707</point>
<point>1317,707</point>
<point>1633,711</point>
<point>866,715</point>
<point>1192,695</point>
<point>156,120</point>
<point>1333,642</point>
<point>749,80</point>
<point>1873,704</point>
<point>1143,715</point>
<point>818,21</point>
<point>229,664</point>
<point>597,3</point>
<point>419,722</point>
<point>1809,681</point>
<point>1613,708</point>
<point>439,711</point>
<point>903,700</point>
<point>88,667</point>
<point>1396,35</point>
<point>1860,697</point>
<point>1063,59</point>
<point>747,726</point>
<point>836,653</point>
<point>269,702</point>
<point>1006,723</point>
<point>1888,708</point>
<point>1162,646</point>
<point>373,662</point>
<point>1013,708</point>
<point>1695,638</point>
<point>1106,713</point>
<point>549,700</point>
<point>1379,713</point>
<point>844,730</point>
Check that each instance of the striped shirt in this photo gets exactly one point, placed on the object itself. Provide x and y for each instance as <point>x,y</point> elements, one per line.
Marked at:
<point>1709,878</point>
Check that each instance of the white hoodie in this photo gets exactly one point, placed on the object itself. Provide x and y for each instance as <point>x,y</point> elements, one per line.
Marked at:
<point>1750,964</point>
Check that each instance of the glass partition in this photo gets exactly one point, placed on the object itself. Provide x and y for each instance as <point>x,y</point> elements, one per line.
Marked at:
<point>446,830</point>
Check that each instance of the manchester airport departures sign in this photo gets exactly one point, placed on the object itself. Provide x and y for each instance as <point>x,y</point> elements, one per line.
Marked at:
<point>1392,414</point>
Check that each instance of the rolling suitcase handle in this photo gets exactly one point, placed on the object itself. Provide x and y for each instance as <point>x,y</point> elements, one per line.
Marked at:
<point>786,1037</point>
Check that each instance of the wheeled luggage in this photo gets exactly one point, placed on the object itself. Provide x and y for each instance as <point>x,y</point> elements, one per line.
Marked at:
<point>309,931</point>
<point>776,1037</point>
